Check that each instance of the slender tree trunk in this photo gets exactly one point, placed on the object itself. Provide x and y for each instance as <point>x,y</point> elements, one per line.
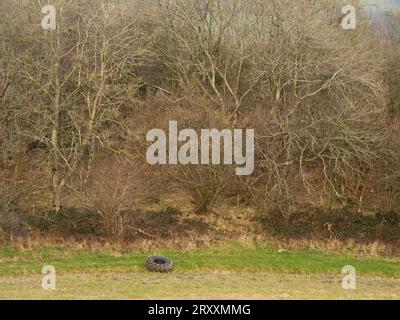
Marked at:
<point>58,182</point>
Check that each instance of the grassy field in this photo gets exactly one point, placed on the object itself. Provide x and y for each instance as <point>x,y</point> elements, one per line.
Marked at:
<point>225,272</point>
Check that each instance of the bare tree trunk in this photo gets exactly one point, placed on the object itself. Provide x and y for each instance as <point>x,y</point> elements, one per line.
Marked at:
<point>58,186</point>
<point>58,183</point>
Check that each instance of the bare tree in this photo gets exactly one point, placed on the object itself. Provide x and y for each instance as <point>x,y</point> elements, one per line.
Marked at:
<point>316,87</point>
<point>70,85</point>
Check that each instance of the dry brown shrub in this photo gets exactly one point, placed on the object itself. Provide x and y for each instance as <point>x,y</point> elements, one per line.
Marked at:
<point>115,190</point>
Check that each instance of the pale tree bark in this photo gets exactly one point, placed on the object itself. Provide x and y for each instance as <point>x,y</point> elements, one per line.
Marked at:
<point>76,77</point>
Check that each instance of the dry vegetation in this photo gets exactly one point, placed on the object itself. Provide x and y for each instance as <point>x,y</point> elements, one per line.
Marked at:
<point>226,285</point>
<point>76,104</point>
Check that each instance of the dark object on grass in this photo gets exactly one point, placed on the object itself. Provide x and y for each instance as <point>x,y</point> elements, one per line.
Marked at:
<point>158,264</point>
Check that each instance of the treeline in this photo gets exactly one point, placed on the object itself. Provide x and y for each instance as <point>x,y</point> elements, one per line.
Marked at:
<point>76,103</point>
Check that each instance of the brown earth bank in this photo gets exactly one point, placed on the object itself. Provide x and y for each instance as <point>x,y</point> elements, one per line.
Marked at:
<point>344,230</point>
